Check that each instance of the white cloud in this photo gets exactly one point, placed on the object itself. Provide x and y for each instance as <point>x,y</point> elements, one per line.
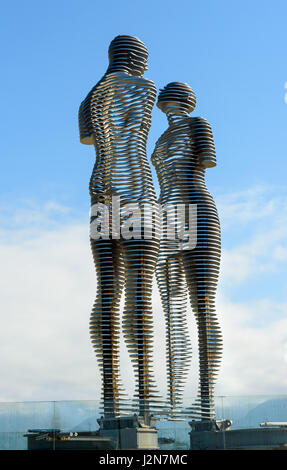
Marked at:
<point>254,204</point>
<point>254,348</point>
<point>47,291</point>
<point>254,226</point>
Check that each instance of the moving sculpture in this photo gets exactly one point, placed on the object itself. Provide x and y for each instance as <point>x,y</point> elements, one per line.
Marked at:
<point>115,117</point>
<point>181,156</point>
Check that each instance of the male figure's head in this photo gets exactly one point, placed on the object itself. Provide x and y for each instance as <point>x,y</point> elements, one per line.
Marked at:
<point>129,54</point>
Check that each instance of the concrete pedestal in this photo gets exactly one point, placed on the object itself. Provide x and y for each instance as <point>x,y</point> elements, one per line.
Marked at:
<point>129,432</point>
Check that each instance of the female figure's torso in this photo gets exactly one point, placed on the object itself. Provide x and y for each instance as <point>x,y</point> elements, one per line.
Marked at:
<point>181,156</point>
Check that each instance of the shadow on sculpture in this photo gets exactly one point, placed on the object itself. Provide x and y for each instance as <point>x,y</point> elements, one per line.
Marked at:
<point>181,156</point>
<point>115,117</point>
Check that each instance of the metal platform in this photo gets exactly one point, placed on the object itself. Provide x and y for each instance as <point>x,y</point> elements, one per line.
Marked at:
<point>55,440</point>
<point>239,439</point>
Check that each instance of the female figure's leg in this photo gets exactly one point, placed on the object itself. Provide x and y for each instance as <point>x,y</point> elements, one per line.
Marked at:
<point>201,269</point>
<point>172,286</point>
<point>104,322</point>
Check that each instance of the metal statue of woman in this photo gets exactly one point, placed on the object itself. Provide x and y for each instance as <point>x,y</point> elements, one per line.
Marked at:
<point>181,156</point>
<point>115,117</point>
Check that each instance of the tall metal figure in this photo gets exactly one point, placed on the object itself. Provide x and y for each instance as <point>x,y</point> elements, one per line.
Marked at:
<point>115,117</point>
<point>181,156</point>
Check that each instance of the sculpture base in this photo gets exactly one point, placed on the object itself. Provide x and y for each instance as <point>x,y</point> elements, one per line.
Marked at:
<point>202,438</point>
<point>129,432</point>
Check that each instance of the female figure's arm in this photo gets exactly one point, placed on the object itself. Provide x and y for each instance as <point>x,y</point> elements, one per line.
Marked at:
<point>85,135</point>
<point>203,138</point>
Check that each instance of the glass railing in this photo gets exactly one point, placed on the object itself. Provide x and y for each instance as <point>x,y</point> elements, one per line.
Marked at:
<point>245,412</point>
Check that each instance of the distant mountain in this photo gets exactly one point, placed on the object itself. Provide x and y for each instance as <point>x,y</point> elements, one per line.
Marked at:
<point>270,410</point>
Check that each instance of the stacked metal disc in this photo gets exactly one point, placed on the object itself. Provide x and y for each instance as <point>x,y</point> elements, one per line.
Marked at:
<point>116,117</point>
<point>181,155</point>
<point>172,286</point>
<point>179,93</point>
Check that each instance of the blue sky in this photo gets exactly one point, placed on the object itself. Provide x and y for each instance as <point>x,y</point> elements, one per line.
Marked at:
<point>233,54</point>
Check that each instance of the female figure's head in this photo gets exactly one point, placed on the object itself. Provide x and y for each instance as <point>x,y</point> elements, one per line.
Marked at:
<point>176,98</point>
